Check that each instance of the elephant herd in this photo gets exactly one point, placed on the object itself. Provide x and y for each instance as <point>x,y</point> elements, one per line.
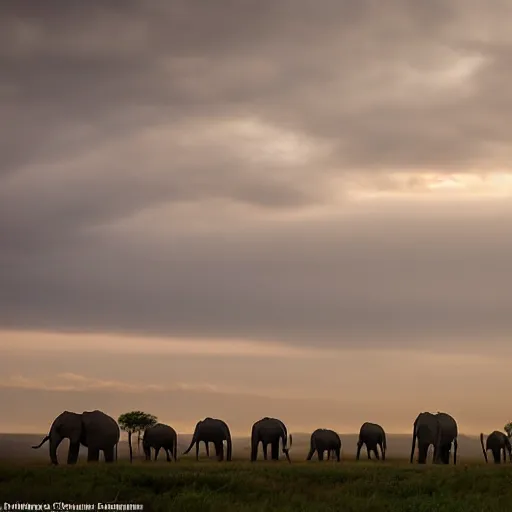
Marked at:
<point>99,432</point>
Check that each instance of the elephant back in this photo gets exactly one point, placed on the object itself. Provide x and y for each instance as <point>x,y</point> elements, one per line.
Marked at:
<point>213,425</point>
<point>426,426</point>
<point>100,429</point>
<point>371,429</point>
<point>448,425</point>
<point>159,433</point>
<point>160,429</point>
<point>326,435</point>
<point>497,438</point>
<point>270,426</point>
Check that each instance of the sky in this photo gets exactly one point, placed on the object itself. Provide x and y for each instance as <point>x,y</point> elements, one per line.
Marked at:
<point>297,209</point>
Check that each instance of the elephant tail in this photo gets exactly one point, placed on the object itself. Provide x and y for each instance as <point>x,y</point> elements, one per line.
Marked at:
<point>384,443</point>
<point>41,443</point>
<point>483,447</point>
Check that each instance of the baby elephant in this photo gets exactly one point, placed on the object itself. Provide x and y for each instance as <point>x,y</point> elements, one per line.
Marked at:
<point>160,436</point>
<point>497,442</point>
<point>323,439</point>
<point>373,436</point>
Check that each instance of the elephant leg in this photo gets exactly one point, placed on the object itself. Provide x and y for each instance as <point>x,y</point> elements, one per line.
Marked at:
<point>320,454</point>
<point>219,450</point>
<point>368,453</point>
<point>254,450</point>
<point>167,454</point>
<point>275,450</point>
<point>197,450</point>
<point>108,454</point>
<point>157,451</point>
<point>329,454</point>
<point>359,446</point>
<point>376,451</point>
<point>265,452</point>
<point>74,448</point>
<point>207,448</point>
<point>93,455</point>
<point>422,453</point>
<point>337,451</point>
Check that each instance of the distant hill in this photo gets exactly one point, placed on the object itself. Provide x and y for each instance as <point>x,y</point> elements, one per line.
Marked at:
<point>17,447</point>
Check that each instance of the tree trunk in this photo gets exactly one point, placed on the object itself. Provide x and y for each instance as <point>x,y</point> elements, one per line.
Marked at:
<point>130,446</point>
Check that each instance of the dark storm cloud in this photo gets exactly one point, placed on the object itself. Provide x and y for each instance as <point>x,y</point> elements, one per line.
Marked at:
<point>113,108</point>
<point>356,73</point>
<point>440,280</point>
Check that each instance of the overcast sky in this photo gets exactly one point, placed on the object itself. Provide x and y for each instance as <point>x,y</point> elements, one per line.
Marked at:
<point>246,208</point>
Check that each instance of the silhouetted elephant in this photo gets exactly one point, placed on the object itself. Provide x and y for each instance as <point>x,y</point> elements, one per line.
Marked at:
<point>93,429</point>
<point>160,436</point>
<point>372,436</point>
<point>211,430</point>
<point>323,439</point>
<point>270,431</point>
<point>439,430</point>
<point>497,442</point>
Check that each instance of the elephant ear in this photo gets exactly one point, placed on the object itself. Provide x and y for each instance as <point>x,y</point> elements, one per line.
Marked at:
<point>68,425</point>
<point>90,423</point>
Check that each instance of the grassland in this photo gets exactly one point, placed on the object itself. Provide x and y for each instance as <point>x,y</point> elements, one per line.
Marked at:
<point>266,486</point>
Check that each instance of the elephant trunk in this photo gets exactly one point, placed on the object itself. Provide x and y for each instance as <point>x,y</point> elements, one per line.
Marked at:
<point>229,446</point>
<point>483,447</point>
<point>254,444</point>
<point>312,448</point>
<point>194,440</point>
<point>286,447</point>
<point>414,434</point>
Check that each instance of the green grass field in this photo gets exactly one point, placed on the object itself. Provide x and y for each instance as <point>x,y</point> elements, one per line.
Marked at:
<point>266,486</point>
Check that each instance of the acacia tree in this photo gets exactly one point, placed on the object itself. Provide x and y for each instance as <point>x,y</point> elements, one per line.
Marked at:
<point>135,421</point>
<point>508,429</point>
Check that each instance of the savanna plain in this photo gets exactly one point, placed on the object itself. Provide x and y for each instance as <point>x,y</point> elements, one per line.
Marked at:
<point>208,485</point>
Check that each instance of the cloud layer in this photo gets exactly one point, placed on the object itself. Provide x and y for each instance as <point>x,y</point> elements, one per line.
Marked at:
<point>269,176</point>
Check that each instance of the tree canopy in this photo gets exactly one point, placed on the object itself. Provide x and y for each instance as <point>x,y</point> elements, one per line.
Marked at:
<point>136,421</point>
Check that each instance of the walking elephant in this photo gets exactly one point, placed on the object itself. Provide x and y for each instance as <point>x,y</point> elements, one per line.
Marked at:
<point>372,436</point>
<point>211,430</point>
<point>93,429</point>
<point>439,430</point>
<point>497,442</point>
<point>270,431</point>
<point>323,439</point>
<point>160,436</point>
